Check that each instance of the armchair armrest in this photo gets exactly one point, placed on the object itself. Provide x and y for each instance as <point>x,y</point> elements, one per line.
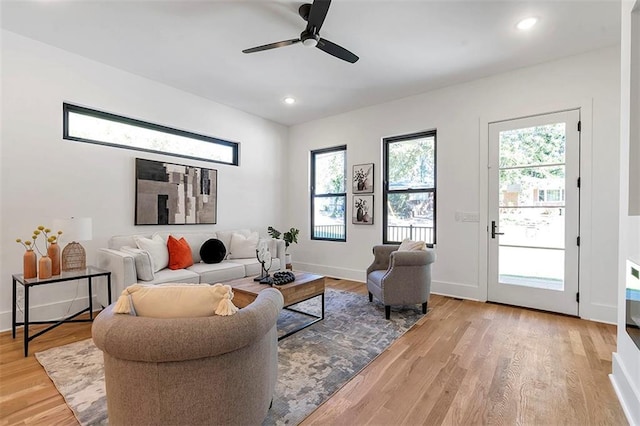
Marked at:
<point>123,273</point>
<point>381,255</point>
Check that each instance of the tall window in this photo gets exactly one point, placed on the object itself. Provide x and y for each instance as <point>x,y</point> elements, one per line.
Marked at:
<point>409,195</point>
<point>88,125</point>
<point>328,194</point>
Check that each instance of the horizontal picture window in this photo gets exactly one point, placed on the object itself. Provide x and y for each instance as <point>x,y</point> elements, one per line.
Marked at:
<point>91,126</point>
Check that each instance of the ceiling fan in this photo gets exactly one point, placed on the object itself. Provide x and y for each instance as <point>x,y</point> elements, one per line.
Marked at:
<point>314,14</point>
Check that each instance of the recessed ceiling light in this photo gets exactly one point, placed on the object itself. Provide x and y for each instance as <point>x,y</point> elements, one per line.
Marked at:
<point>289,100</point>
<point>527,23</point>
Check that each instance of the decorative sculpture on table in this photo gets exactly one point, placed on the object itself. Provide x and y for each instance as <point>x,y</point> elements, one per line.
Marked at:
<point>264,257</point>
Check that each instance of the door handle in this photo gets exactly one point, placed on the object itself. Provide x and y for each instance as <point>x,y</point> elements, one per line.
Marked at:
<point>493,230</point>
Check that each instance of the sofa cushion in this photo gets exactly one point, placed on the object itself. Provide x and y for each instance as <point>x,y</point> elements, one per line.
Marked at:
<point>179,253</point>
<point>143,262</point>
<point>176,300</point>
<point>157,248</point>
<point>225,237</point>
<point>243,247</point>
<point>213,251</point>
<point>167,275</point>
<point>216,272</point>
<point>252,266</point>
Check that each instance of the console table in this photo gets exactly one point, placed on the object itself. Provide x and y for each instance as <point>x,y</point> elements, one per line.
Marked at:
<point>88,274</point>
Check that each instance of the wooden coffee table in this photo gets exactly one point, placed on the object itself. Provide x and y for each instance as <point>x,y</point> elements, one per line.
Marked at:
<point>306,286</point>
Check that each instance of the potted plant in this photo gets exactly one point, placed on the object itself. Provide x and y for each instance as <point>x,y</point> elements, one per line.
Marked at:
<point>289,237</point>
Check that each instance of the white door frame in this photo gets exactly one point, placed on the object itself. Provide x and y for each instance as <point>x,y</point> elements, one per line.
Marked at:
<point>586,175</point>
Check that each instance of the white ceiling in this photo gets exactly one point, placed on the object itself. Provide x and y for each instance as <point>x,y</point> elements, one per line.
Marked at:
<point>405,47</point>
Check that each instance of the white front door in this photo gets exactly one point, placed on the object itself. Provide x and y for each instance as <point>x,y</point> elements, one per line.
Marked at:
<point>534,212</point>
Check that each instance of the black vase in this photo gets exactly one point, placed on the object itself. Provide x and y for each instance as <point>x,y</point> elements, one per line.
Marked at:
<point>359,214</point>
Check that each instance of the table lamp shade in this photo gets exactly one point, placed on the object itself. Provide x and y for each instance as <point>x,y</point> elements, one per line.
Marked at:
<point>74,230</point>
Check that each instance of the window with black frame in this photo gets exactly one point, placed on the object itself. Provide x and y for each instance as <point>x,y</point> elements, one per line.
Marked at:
<point>87,125</point>
<point>328,194</point>
<point>409,192</point>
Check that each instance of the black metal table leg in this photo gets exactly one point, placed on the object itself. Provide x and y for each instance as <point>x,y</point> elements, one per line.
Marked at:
<point>109,286</point>
<point>25,328</point>
<point>14,307</point>
<point>316,318</point>
<point>90,299</point>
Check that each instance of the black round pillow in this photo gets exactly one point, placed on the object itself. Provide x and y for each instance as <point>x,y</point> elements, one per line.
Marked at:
<point>213,251</point>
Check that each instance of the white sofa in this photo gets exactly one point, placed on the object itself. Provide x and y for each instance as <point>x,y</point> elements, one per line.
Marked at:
<point>122,264</point>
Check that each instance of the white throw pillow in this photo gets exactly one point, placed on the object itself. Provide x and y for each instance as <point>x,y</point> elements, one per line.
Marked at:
<point>243,247</point>
<point>157,249</point>
<point>225,237</point>
<point>143,261</point>
<point>409,245</point>
<point>176,300</point>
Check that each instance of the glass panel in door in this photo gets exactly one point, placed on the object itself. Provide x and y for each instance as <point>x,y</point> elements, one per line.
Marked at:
<point>533,211</point>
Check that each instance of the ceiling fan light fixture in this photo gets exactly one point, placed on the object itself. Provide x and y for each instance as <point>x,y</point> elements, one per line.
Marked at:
<point>310,42</point>
<point>526,23</point>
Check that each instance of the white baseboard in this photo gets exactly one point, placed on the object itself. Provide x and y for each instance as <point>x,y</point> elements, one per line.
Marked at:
<point>599,312</point>
<point>629,399</point>
<point>49,312</point>
<point>330,271</point>
<point>458,290</point>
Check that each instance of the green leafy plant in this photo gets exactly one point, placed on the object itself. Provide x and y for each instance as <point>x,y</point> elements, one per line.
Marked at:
<point>289,237</point>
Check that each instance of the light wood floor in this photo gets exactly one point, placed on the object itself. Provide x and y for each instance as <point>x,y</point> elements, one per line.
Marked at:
<point>464,363</point>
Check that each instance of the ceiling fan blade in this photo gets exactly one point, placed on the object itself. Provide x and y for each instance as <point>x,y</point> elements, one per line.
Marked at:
<point>337,51</point>
<point>318,12</point>
<point>272,45</point>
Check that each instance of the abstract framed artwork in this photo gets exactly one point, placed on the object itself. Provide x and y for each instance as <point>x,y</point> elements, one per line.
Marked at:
<point>363,178</point>
<point>175,194</point>
<point>362,210</point>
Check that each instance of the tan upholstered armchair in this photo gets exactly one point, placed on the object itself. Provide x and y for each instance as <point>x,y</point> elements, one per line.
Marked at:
<point>218,370</point>
<point>400,277</point>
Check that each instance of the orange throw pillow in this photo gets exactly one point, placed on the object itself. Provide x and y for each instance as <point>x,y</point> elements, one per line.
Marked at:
<point>179,253</point>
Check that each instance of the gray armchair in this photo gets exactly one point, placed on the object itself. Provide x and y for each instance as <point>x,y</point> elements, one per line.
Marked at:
<point>400,277</point>
<point>218,370</point>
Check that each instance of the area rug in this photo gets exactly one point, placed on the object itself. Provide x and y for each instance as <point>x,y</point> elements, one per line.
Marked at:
<point>312,364</point>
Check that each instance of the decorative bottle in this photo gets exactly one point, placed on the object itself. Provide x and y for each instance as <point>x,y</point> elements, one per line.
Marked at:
<point>30,264</point>
<point>44,266</point>
<point>54,253</point>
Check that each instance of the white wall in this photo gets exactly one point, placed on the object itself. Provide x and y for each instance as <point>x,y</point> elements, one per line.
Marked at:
<point>589,81</point>
<point>626,361</point>
<point>45,177</point>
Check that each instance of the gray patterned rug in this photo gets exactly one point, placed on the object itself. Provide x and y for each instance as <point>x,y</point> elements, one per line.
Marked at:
<point>312,364</point>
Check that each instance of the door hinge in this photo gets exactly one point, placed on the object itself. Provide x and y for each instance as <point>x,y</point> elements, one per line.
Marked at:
<point>579,126</point>
<point>578,297</point>
<point>578,182</point>
<point>578,242</point>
